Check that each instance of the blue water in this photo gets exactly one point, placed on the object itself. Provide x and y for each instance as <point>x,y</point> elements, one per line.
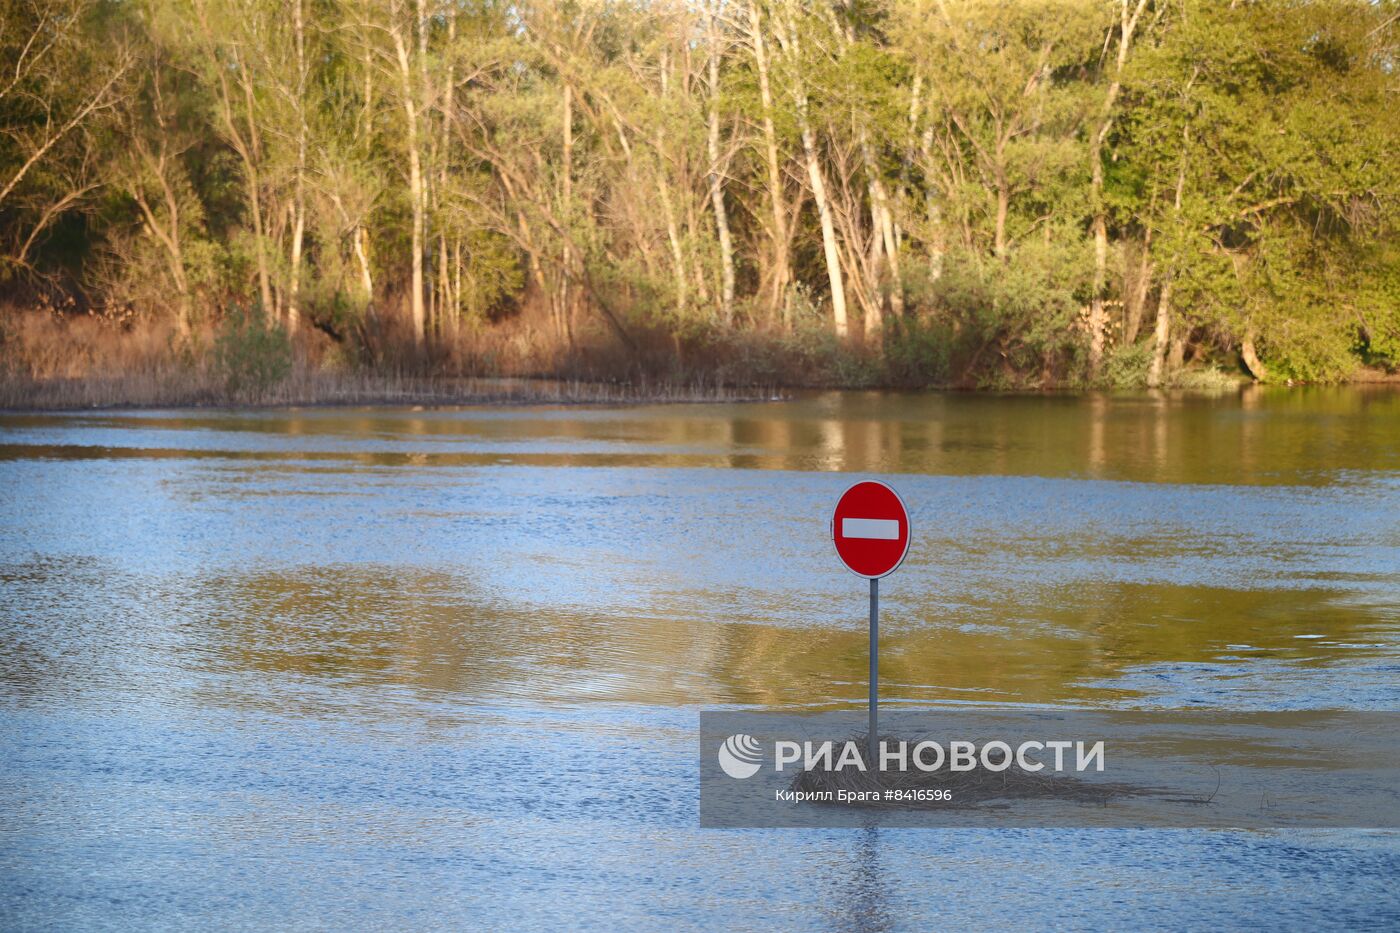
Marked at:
<point>423,670</point>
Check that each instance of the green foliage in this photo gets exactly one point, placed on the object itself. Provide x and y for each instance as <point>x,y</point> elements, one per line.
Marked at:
<point>552,166</point>
<point>1279,121</point>
<point>493,274</point>
<point>1017,310</point>
<point>1126,367</point>
<point>1376,298</point>
<point>918,352</point>
<point>251,354</point>
<point>1207,380</point>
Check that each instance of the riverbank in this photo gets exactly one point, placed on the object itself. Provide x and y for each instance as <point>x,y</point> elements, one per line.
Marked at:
<point>306,387</point>
<point>56,362</point>
<point>329,389</point>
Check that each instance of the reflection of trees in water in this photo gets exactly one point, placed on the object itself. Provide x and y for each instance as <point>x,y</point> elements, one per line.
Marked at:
<point>58,622</point>
<point>359,625</point>
<point>1261,435</point>
<point>1258,436</point>
<point>1045,645</point>
<point>435,632</point>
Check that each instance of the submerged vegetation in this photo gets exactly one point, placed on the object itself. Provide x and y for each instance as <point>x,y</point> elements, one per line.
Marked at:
<point>899,192</point>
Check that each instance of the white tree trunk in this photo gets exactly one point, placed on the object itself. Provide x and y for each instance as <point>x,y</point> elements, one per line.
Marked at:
<point>1098,317</point>
<point>726,240</point>
<point>782,267</point>
<point>299,192</point>
<point>415,184</point>
<point>787,36</point>
<point>564,302</point>
<point>1161,333</point>
<point>361,241</point>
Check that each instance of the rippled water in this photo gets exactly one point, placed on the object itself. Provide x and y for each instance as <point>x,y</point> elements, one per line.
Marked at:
<point>338,668</point>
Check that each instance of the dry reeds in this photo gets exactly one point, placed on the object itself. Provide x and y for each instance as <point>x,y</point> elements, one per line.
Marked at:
<point>310,388</point>
<point>54,362</point>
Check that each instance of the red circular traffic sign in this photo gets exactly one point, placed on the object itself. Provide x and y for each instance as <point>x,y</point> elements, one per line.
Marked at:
<point>870,529</point>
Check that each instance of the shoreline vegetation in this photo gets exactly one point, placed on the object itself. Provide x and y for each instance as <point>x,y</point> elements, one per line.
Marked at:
<point>362,390</point>
<point>303,388</point>
<point>81,363</point>
<point>288,202</point>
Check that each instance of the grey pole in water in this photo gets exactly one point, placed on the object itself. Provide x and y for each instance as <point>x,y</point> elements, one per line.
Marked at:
<point>872,741</point>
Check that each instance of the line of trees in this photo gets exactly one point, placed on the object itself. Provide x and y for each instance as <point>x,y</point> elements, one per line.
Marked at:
<point>960,189</point>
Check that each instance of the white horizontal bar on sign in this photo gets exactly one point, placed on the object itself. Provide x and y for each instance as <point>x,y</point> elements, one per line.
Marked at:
<point>881,529</point>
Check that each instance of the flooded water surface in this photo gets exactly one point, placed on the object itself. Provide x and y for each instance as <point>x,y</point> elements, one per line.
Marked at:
<point>340,668</point>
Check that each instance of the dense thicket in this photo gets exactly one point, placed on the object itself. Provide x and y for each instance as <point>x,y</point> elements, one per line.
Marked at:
<point>946,190</point>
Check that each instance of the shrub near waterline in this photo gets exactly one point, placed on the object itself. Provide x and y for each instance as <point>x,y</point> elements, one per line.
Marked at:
<point>252,355</point>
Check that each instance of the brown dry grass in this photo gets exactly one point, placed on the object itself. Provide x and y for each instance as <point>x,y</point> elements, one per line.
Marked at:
<point>306,388</point>
<point>53,361</point>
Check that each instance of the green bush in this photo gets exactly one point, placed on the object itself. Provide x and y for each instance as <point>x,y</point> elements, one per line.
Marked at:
<point>1208,379</point>
<point>1126,366</point>
<point>251,354</point>
<point>918,352</point>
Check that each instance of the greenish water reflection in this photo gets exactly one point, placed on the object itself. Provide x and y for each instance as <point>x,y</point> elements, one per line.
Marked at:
<point>1260,436</point>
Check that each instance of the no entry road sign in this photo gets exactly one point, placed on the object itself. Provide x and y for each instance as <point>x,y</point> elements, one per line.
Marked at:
<point>870,528</point>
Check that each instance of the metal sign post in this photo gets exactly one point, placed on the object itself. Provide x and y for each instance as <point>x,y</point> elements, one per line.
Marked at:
<point>870,528</point>
<point>871,740</point>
